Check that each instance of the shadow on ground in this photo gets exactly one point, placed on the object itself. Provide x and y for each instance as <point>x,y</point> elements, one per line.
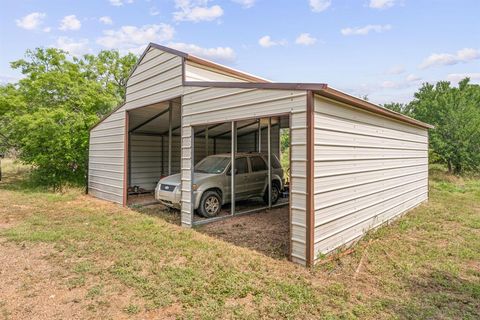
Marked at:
<point>266,231</point>
<point>440,295</point>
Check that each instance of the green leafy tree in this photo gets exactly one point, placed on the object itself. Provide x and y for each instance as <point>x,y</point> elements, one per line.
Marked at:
<point>47,115</point>
<point>398,107</point>
<point>455,113</point>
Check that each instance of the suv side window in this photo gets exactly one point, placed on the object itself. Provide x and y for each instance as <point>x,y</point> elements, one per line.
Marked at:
<point>241,165</point>
<point>258,164</point>
<point>275,162</point>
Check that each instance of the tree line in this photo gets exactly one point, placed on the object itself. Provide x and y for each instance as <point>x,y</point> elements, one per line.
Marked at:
<point>455,113</point>
<point>46,116</point>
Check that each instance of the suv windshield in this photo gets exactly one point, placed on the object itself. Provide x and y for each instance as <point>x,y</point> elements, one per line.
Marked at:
<point>213,165</point>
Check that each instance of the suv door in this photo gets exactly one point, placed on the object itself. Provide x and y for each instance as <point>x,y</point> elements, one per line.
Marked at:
<point>258,176</point>
<point>241,177</point>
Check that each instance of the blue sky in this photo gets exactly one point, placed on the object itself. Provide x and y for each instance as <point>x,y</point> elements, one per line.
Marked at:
<point>381,48</point>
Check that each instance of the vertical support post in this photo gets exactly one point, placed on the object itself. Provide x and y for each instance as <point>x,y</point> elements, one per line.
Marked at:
<point>129,180</point>
<point>125,161</point>
<point>232,166</point>
<point>290,225</point>
<point>163,158</point>
<point>214,145</point>
<point>260,135</point>
<point>192,173</point>
<point>269,165</point>
<point>170,138</point>
<point>206,141</point>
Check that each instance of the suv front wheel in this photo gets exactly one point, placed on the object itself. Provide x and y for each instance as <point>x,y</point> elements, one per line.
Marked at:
<point>210,204</point>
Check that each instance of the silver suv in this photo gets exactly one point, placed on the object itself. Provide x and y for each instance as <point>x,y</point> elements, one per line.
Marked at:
<point>212,181</point>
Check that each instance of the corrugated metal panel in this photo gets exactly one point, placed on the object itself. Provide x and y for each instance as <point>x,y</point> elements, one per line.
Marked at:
<point>368,170</point>
<point>248,143</point>
<point>106,158</point>
<point>298,169</point>
<point>187,175</point>
<point>145,161</point>
<point>219,104</point>
<point>158,77</point>
<point>195,72</point>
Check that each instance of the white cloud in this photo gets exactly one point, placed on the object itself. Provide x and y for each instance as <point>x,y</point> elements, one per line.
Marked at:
<point>398,69</point>
<point>31,21</point>
<point>319,5</point>
<point>381,4</point>
<point>75,48</point>
<point>132,38</point>
<point>461,56</point>
<point>119,3</point>
<point>225,54</point>
<point>154,11</point>
<point>70,23</point>
<point>106,20</point>
<point>363,31</point>
<point>305,39</point>
<point>457,77</point>
<point>389,84</point>
<point>196,11</point>
<point>246,3</point>
<point>267,42</point>
<point>47,29</point>
<point>413,78</point>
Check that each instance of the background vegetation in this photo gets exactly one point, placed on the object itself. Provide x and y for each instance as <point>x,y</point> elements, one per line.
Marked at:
<point>455,113</point>
<point>46,116</point>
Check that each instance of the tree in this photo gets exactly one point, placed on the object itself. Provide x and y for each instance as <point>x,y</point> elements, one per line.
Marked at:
<point>47,115</point>
<point>398,107</point>
<point>455,113</point>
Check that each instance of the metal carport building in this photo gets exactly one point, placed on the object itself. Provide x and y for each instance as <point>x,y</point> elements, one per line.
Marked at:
<point>353,165</point>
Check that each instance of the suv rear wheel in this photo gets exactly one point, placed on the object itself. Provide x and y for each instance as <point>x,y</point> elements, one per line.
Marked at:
<point>275,193</point>
<point>210,204</point>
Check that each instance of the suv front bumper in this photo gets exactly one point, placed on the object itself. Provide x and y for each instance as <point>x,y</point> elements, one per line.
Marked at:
<point>169,198</point>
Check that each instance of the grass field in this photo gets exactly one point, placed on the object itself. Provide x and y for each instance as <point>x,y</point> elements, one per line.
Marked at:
<point>66,255</point>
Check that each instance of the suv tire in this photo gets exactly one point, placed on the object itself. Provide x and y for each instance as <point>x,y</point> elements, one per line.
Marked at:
<point>210,204</point>
<point>275,193</point>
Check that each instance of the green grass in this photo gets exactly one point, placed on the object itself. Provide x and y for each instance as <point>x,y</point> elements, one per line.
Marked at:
<point>425,265</point>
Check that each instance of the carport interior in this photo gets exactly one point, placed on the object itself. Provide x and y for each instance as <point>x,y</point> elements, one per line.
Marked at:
<point>244,139</point>
<point>153,148</point>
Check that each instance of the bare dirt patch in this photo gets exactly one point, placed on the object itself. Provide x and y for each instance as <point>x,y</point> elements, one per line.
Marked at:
<point>36,284</point>
<point>266,231</point>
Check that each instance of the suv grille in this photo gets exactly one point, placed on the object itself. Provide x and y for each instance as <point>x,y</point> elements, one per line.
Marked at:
<point>167,187</point>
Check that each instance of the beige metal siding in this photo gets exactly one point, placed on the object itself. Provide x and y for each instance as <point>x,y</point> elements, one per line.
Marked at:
<point>298,185</point>
<point>194,72</point>
<point>207,105</point>
<point>368,170</point>
<point>158,77</point>
<point>106,158</point>
<point>210,105</point>
<point>187,175</point>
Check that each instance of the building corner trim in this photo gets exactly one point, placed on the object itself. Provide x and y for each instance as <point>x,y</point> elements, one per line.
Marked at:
<point>310,230</point>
